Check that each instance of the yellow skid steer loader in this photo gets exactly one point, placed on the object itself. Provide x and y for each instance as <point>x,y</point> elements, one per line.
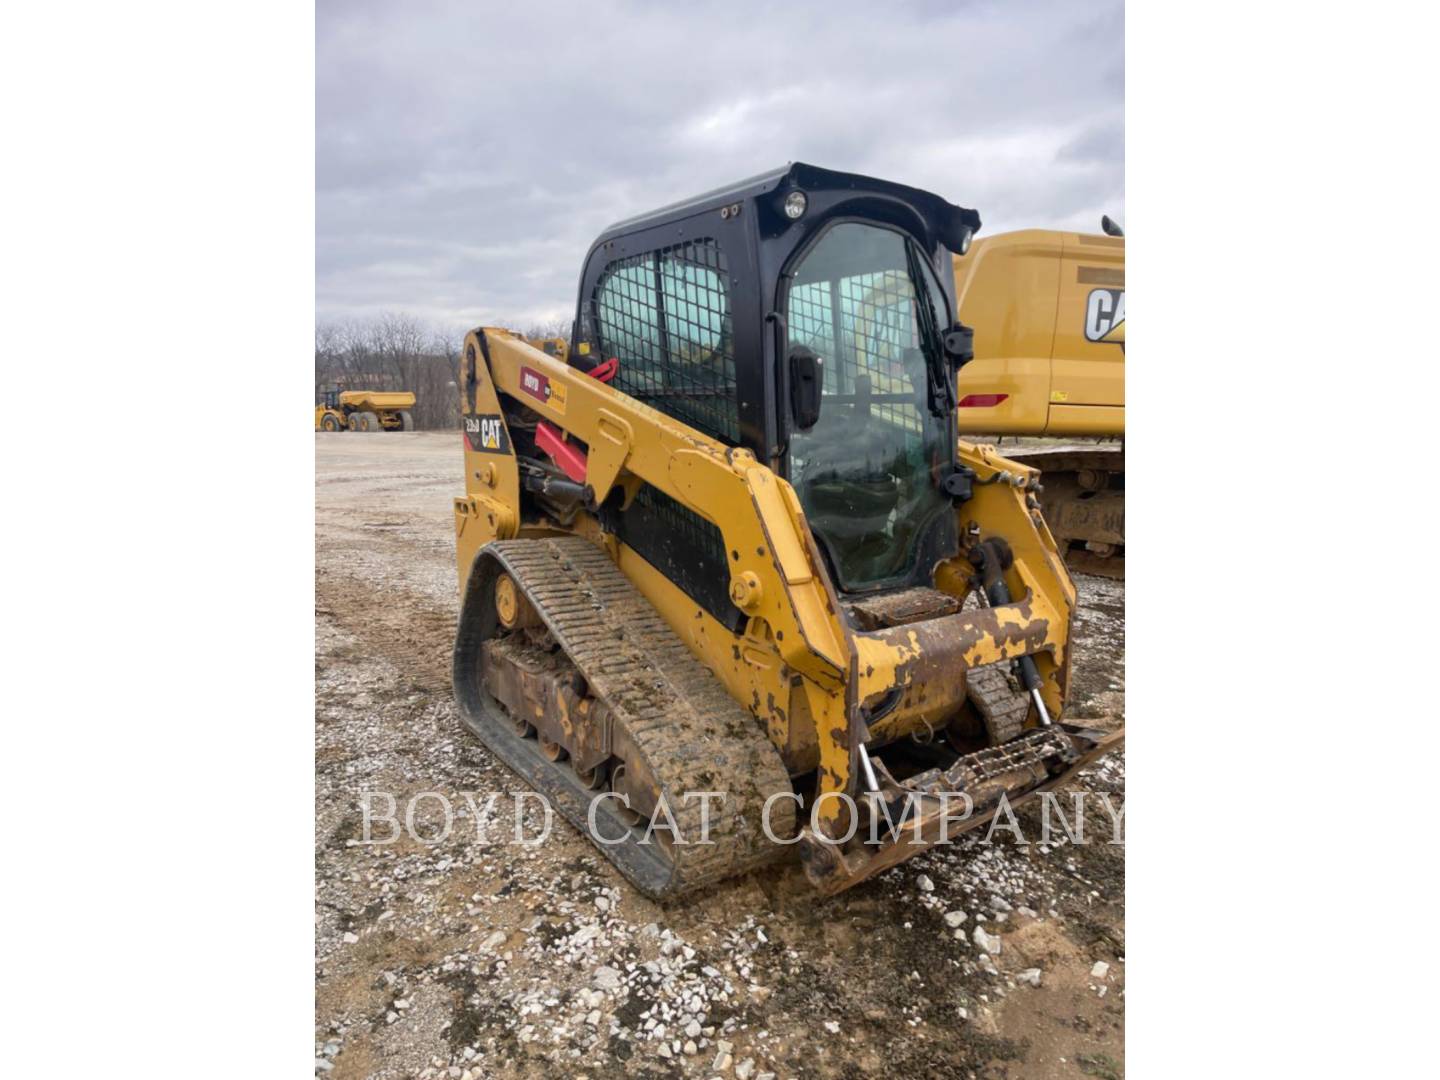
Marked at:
<point>731,585</point>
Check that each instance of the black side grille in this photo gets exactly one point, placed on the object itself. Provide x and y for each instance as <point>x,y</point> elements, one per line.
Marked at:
<point>683,546</point>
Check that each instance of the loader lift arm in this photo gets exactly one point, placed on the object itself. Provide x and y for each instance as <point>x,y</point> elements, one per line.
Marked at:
<point>776,576</point>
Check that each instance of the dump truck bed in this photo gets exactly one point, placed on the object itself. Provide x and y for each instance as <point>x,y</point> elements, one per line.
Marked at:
<point>378,399</point>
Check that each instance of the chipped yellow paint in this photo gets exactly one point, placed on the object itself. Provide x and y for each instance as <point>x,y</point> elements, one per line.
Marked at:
<point>492,480</point>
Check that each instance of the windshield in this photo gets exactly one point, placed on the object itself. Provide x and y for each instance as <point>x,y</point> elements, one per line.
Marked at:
<point>867,472</point>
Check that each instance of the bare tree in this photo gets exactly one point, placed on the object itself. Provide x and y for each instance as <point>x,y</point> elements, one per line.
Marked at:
<point>393,352</point>
<point>548,328</point>
<point>397,351</point>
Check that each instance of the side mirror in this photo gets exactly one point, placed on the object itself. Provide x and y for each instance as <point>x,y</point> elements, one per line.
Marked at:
<point>805,383</point>
<point>960,344</point>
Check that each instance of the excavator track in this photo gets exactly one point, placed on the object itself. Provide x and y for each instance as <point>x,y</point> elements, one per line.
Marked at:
<point>660,704</point>
<point>1083,499</point>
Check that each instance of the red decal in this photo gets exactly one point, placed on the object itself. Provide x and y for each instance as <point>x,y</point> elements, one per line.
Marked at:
<point>535,384</point>
<point>982,401</point>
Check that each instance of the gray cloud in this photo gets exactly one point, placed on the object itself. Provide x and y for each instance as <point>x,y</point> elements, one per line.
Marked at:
<point>467,152</point>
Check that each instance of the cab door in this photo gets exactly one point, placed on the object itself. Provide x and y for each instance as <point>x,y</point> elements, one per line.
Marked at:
<point>1087,384</point>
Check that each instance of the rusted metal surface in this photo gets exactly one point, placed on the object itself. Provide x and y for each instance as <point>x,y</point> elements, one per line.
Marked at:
<point>1038,762</point>
<point>936,651</point>
<point>1095,517</point>
<point>898,608</point>
<point>997,702</point>
<point>1109,564</point>
<point>1082,496</point>
<point>547,689</point>
<point>607,675</point>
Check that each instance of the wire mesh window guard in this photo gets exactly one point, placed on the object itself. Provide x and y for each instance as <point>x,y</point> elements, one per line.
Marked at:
<point>666,316</point>
<point>863,325</point>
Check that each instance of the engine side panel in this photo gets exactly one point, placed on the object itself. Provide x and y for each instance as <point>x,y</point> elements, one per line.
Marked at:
<point>1088,372</point>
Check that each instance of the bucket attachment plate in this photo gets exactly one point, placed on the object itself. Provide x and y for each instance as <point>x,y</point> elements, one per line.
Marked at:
<point>928,809</point>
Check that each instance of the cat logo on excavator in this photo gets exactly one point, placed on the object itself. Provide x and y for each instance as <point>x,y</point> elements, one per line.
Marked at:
<point>1105,316</point>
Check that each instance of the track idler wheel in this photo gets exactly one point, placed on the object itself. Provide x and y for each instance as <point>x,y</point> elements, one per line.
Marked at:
<point>513,610</point>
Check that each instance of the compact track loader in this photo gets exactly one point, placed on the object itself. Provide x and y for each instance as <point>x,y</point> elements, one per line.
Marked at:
<point>730,584</point>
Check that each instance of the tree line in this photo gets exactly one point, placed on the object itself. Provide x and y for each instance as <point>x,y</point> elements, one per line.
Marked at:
<point>401,352</point>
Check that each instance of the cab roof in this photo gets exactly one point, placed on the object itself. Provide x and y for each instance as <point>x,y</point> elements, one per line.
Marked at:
<point>944,217</point>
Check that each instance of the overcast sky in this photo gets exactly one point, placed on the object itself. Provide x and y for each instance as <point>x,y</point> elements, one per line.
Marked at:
<point>468,152</point>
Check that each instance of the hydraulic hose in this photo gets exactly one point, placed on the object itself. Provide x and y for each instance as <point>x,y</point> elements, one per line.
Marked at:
<point>992,558</point>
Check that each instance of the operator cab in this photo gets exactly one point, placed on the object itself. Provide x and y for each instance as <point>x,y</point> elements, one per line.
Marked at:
<point>805,315</point>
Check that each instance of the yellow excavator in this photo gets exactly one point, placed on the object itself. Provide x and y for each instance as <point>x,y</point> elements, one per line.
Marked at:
<point>364,410</point>
<point>731,585</point>
<point>1048,309</point>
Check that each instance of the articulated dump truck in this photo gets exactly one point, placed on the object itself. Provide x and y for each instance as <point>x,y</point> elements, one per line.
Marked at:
<point>732,588</point>
<point>364,410</point>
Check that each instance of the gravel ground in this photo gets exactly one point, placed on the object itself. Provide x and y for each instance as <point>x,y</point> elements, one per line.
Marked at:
<point>475,957</point>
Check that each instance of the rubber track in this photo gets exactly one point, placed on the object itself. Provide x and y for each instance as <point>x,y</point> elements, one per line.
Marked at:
<point>1001,706</point>
<point>693,735</point>
<point>1081,561</point>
